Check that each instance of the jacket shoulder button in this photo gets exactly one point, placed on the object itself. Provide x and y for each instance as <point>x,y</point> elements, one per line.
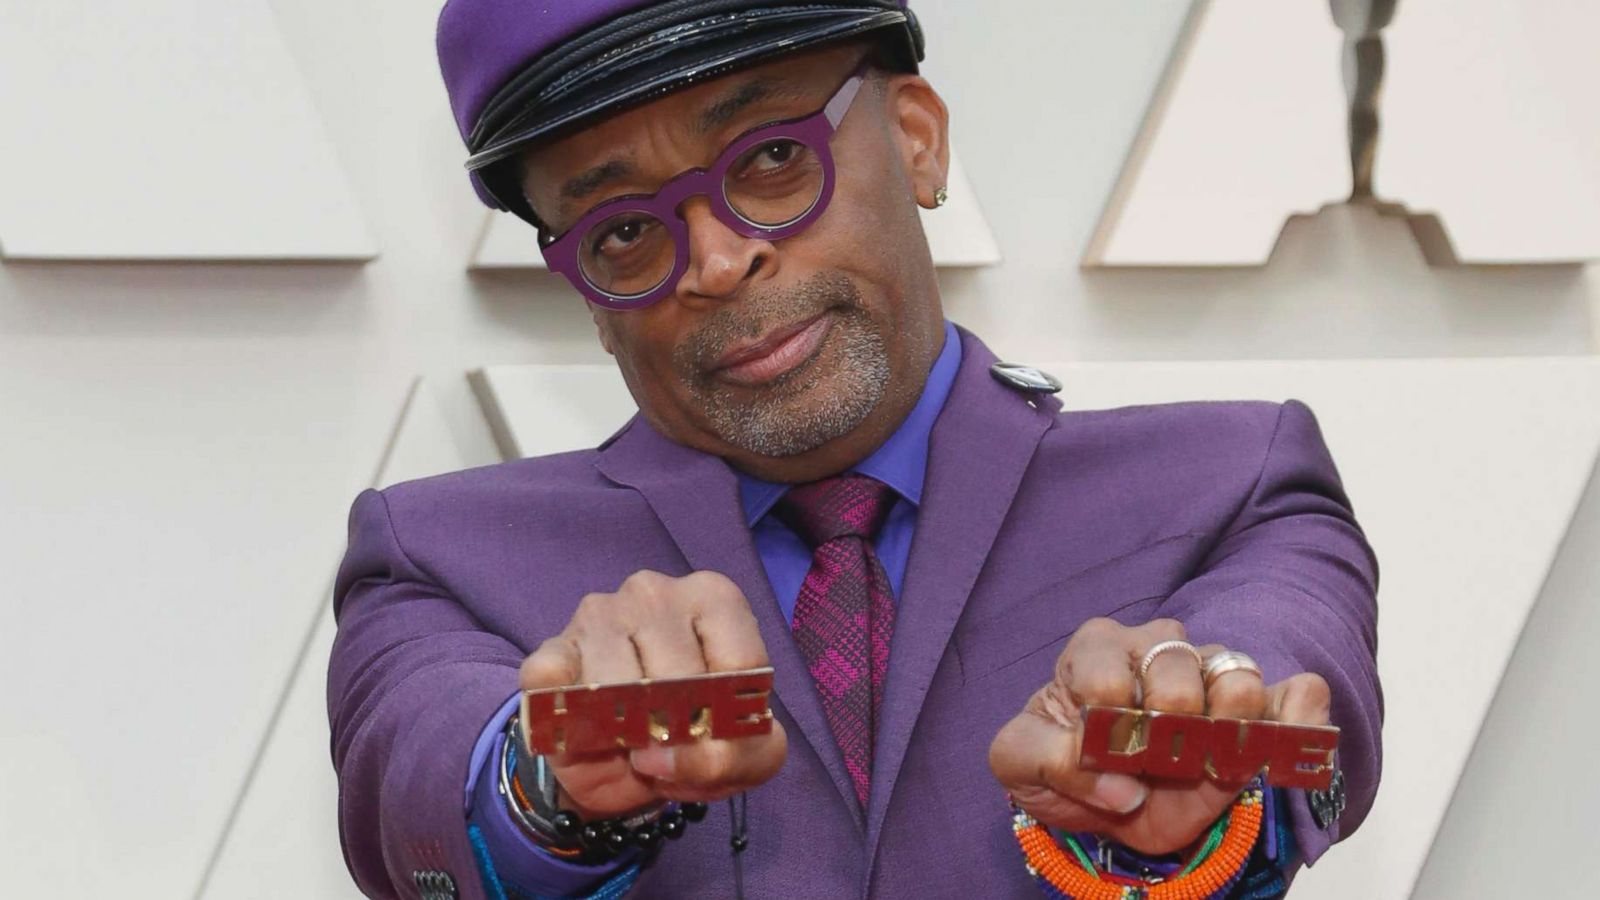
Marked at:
<point>1025,378</point>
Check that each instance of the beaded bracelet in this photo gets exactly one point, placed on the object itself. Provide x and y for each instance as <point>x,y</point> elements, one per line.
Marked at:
<point>562,833</point>
<point>605,840</point>
<point>1208,877</point>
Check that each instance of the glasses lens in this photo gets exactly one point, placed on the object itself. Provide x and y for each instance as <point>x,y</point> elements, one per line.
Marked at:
<point>627,255</point>
<point>774,183</point>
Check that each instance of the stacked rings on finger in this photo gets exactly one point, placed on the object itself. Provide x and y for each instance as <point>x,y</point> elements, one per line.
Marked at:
<point>1151,654</point>
<point>1220,664</point>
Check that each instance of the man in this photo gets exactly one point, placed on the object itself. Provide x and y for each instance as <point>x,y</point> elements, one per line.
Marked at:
<point>940,565</point>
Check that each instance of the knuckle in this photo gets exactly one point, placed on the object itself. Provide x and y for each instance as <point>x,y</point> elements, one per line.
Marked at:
<point>714,590</point>
<point>550,661</point>
<point>1235,691</point>
<point>529,671</point>
<point>1093,633</point>
<point>643,583</point>
<point>534,661</point>
<point>1097,628</point>
<point>1102,685</point>
<point>755,655</point>
<point>708,580</point>
<point>591,607</point>
<point>742,655</point>
<point>1177,696</point>
<point>1316,690</point>
<point>1167,629</point>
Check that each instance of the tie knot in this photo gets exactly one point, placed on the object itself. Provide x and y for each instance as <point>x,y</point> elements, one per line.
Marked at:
<point>842,506</point>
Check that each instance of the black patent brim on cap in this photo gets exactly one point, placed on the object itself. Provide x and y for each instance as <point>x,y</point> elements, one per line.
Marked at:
<point>560,92</point>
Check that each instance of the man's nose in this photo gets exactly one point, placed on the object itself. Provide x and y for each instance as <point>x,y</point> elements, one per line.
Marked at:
<point>721,260</point>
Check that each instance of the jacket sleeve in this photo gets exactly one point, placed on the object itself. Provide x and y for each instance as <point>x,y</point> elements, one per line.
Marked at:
<point>413,681</point>
<point>1292,582</point>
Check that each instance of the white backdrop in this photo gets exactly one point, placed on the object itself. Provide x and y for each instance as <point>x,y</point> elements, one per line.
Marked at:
<point>180,442</point>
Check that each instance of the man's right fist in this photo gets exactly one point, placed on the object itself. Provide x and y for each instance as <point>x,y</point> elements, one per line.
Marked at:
<point>657,626</point>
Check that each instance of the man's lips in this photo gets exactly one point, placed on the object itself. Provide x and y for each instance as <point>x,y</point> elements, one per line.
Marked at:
<point>773,355</point>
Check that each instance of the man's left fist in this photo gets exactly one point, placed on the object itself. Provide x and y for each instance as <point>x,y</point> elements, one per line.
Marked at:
<point>1035,756</point>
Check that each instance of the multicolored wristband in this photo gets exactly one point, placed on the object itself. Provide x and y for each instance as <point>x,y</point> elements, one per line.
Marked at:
<point>1215,868</point>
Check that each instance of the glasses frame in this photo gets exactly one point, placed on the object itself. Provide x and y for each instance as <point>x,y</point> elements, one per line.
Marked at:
<point>561,253</point>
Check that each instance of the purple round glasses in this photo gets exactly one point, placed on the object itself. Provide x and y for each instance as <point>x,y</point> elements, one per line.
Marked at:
<point>771,182</point>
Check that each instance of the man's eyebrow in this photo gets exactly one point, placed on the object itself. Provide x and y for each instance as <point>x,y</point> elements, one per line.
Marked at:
<point>719,113</point>
<point>590,180</point>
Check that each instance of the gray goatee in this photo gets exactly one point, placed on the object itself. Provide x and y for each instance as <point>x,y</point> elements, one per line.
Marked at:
<point>824,399</point>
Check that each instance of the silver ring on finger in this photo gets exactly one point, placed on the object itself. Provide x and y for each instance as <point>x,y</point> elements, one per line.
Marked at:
<point>1220,664</point>
<point>1151,654</point>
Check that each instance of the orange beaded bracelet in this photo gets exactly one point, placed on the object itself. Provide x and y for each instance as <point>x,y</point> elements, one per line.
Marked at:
<point>1052,865</point>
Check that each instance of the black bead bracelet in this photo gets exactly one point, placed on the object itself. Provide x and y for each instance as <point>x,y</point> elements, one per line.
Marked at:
<point>605,839</point>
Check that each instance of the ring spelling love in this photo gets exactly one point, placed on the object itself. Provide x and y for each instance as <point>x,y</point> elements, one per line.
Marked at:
<point>597,718</point>
<point>1171,745</point>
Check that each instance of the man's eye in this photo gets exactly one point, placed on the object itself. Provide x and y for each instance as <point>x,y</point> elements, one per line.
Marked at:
<point>779,152</point>
<point>774,155</point>
<point>620,236</point>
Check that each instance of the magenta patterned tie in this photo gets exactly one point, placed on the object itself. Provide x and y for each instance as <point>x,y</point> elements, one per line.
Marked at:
<point>844,617</point>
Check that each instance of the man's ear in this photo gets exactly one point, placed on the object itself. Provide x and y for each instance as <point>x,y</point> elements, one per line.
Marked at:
<point>922,126</point>
<point>601,330</point>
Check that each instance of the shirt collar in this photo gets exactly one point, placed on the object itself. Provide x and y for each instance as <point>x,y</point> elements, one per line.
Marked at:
<point>901,462</point>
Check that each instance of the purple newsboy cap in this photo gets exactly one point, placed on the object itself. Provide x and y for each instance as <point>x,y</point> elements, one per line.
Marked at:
<point>520,70</point>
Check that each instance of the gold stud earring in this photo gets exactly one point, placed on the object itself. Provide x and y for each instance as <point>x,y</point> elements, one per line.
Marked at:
<point>941,196</point>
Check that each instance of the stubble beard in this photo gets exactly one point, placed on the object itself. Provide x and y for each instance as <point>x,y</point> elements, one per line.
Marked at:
<point>824,399</point>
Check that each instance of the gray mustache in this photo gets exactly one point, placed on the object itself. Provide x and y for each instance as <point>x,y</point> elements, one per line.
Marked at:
<point>759,313</point>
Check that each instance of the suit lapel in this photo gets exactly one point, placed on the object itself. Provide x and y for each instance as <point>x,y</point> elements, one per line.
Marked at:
<point>696,497</point>
<point>980,446</point>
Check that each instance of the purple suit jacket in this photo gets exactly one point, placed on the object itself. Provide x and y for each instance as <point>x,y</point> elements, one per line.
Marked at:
<point>1227,516</point>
